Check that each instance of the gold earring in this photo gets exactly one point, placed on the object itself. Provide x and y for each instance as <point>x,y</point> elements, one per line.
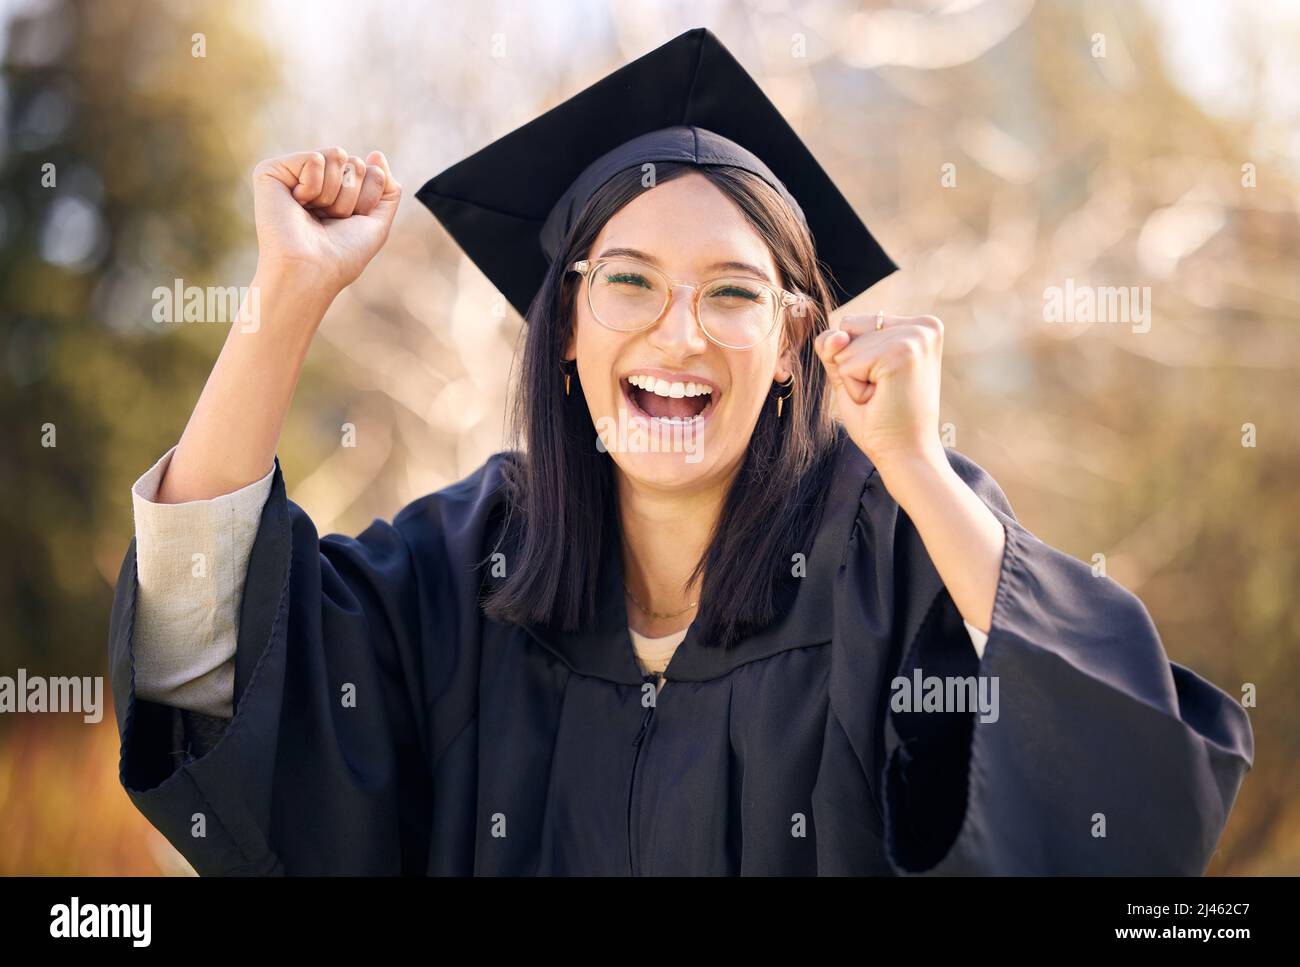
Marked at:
<point>788,385</point>
<point>568,374</point>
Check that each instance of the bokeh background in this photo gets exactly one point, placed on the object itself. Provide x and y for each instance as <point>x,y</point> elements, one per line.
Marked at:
<point>995,148</point>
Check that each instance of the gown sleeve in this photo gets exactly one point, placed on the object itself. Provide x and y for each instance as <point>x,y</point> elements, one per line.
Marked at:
<point>322,768</point>
<point>1095,753</point>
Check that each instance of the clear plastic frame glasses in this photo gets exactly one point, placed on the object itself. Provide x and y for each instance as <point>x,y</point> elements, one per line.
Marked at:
<point>736,312</point>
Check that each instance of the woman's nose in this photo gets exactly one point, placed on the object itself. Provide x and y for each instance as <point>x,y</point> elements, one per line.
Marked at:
<point>678,331</point>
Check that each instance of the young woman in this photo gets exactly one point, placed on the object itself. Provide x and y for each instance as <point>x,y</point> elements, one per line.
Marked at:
<point>771,643</point>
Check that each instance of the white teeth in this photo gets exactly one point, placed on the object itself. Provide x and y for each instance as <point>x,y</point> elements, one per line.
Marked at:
<point>661,387</point>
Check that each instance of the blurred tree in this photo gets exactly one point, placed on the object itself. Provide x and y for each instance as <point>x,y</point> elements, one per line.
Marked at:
<point>124,157</point>
<point>130,129</point>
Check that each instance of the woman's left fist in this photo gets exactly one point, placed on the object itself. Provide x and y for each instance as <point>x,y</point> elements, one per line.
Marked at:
<point>886,383</point>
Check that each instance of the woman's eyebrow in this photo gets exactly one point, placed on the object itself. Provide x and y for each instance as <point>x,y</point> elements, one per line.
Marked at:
<point>633,253</point>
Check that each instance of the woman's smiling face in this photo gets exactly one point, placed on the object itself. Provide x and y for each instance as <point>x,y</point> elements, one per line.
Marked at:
<point>691,232</point>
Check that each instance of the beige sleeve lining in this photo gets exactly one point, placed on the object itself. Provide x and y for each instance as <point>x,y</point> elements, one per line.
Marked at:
<point>191,561</point>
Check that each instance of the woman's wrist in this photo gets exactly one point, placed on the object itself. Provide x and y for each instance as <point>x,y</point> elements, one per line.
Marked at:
<point>293,293</point>
<point>908,472</point>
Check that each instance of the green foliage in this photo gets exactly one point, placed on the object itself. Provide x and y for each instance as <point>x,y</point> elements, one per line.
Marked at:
<point>151,148</point>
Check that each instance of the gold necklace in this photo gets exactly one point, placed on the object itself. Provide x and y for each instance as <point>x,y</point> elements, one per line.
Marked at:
<point>656,614</point>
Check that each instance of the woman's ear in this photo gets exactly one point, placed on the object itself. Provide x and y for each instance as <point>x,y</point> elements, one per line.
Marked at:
<point>786,364</point>
<point>571,350</point>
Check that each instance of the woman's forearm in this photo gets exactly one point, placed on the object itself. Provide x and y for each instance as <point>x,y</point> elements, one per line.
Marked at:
<point>321,216</point>
<point>885,371</point>
<point>232,435</point>
<point>964,539</point>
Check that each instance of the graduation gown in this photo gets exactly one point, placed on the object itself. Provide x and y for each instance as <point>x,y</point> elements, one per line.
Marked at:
<point>384,725</point>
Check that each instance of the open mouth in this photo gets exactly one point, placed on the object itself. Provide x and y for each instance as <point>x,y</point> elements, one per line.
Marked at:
<point>671,401</point>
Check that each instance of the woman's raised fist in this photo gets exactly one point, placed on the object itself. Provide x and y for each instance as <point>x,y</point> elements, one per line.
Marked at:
<point>323,213</point>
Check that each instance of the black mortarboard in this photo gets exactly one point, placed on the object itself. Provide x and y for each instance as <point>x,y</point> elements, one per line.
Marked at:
<point>510,205</point>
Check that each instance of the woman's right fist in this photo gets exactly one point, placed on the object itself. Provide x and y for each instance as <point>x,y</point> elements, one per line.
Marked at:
<point>323,212</point>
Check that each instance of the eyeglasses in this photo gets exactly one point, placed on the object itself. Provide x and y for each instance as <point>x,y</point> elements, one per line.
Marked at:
<point>628,295</point>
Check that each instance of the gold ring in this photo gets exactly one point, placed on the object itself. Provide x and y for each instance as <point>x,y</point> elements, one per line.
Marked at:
<point>880,320</point>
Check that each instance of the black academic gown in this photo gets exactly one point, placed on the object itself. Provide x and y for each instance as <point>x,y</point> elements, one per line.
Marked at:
<point>473,747</point>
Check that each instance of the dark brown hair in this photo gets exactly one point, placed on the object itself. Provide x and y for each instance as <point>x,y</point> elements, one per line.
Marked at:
<point>561,489</point>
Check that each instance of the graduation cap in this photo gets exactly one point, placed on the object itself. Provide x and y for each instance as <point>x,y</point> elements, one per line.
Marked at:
<point>510,206</point>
